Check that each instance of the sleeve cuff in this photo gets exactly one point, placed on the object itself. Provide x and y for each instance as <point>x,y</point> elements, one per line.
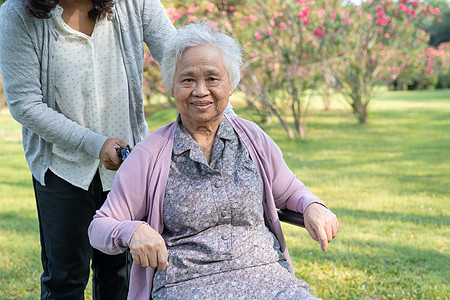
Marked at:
<point>94,143</point>
<point>123,234</point>
<point>310,200</point>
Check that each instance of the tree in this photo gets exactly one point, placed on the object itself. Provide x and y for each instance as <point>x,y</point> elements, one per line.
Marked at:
<point>278,68</point>
<point>438,29</point>
<point>443,67</point>
<point>380,44</point>
<point>293,47</point>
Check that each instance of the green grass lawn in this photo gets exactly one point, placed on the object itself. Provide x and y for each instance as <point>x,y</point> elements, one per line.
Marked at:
<point>388,182</point>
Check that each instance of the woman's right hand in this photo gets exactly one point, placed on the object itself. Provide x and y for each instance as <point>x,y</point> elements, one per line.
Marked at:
<point>108,154</point>
<point>148,248</point>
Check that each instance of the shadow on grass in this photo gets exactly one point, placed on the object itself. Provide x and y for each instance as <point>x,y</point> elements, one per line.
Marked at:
<point>382,260</point>
<point>417,219</point>
<point>18,222</point>
<point>22,183</point>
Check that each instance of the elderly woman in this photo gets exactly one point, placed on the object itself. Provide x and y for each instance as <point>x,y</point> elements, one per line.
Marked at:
<point>197,199</point>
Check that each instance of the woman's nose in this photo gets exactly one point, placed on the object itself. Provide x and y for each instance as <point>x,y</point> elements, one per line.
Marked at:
<point>201,89</point>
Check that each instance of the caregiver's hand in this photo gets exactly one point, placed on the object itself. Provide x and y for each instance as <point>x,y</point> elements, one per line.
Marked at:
<point>148,248</point>
<point>108,154</point>
<point>321,223</point>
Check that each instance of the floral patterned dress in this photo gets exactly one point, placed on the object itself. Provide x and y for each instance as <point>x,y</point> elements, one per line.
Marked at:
<point>218,244</point>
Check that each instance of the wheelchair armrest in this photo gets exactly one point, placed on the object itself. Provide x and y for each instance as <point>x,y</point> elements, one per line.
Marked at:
<point>291,217</point>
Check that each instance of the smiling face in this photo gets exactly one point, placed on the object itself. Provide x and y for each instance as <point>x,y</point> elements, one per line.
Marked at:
<point>201,86</point>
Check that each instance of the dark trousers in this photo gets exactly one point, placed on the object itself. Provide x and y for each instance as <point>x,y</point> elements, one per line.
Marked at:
<point>65,213</point>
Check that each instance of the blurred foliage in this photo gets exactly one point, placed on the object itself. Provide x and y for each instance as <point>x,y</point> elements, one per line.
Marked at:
<point>295,46</point>
<point>439,30</point>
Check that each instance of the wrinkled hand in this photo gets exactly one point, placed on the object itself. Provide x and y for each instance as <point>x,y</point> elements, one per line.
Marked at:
<point>108,154</point>
<point>321,224</point>
<point>148,248</point>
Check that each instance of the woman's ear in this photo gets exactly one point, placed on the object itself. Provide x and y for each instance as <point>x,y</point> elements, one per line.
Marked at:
<point>231,90</point>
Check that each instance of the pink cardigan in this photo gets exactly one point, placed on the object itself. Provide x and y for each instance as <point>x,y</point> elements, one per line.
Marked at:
<point>139,189</point>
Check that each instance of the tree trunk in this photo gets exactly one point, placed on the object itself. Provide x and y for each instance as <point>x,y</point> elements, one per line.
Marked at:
<point>326,99</point>
<point>362,114</point>
<point>2,100</point>
<point>283,123</point>
<point>359,107</point>
<point>303,131</point>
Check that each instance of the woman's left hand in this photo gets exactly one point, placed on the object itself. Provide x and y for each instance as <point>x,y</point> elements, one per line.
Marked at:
<point>321,224</point>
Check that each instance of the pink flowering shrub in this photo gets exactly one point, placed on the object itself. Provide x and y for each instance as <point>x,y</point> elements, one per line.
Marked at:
<point>285,57</point>
<point>295,46</point>
<point>381,45</point>
<point>443,64</point>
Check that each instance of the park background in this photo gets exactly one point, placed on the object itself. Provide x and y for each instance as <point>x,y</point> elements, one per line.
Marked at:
<point>356,95</point>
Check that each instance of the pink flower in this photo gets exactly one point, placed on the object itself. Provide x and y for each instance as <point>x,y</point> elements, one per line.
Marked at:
<point>387,35</point>
<point>321,13</point>
<point>403,7</point>
<point>382,22</point>
<point>191,10</point>
<point>283,26</point>
<point>252,18</point>
<point>318,32</point>
<point>209,7</point>
<point>304,13</point>
<point>258,36</point>
<point>435,11</point>
<point>348,21</point>
<point>333,15</point>
<point>380,8</point>
<point>170,10</point>
<point>379,15</point>
<point>415,3</point>
<point>176,15</point>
